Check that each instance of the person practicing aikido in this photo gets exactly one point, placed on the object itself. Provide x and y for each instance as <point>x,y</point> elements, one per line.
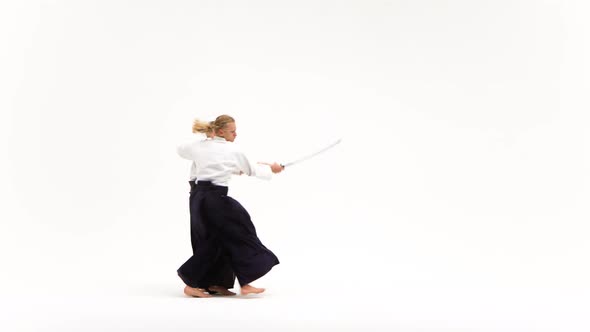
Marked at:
<point>223,237</point>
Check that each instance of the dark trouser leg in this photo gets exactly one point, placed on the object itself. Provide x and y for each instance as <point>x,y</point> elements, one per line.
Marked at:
<point>249,258</point>
<point>194,271</point>
<point>220,273</point>
<point>209,265</point>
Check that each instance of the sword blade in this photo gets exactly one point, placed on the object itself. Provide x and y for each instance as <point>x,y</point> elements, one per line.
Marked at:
<point>309,156</point>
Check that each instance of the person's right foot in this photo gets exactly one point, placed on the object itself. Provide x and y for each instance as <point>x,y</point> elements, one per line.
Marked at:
<point>195,292</point>
<point>247,289</point>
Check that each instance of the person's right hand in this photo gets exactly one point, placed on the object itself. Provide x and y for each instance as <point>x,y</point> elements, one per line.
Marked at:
<point>276,168</point>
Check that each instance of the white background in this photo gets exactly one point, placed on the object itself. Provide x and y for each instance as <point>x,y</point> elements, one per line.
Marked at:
<point>457,200</point>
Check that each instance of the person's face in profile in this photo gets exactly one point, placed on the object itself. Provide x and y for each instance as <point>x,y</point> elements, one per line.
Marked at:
<point>228,132</point>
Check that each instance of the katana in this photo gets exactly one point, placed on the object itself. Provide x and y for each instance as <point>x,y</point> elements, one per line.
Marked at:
<point>309,156</point>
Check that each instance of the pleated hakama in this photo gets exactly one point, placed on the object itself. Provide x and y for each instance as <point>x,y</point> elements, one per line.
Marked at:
<point>224,241</point>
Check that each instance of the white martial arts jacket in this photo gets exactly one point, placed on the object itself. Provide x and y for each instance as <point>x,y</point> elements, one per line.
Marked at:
<point>216,160</point>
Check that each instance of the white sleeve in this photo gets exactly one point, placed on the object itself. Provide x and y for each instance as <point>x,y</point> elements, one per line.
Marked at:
<point>262,172</point>
<point>258,170</point>
<point>187,150</point>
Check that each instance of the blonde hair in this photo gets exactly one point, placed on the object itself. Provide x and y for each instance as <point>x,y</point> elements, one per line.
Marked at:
<point>212,126</point>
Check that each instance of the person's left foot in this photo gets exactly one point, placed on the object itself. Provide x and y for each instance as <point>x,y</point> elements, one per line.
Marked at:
<point>221,291</point>
<point>247,289</point>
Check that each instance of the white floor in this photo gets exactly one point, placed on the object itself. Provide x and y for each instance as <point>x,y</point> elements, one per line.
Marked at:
<point>162,307</point>
<point>378,286</point>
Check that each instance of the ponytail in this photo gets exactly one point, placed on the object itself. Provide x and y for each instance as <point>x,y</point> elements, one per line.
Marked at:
<point>211,127</point>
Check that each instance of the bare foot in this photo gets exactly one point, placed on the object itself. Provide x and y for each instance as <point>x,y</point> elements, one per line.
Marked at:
<point>247,289</point>
<point>221,290</point>
<point>195,292</point>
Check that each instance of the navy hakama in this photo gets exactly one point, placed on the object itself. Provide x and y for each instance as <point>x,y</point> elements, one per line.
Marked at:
<point>220,272</point>
<point>224,241</point>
